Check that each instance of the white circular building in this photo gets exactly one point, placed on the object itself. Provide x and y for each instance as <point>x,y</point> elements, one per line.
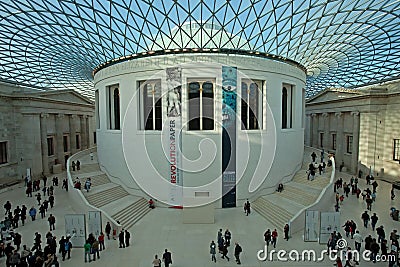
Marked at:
<point>194,126</point>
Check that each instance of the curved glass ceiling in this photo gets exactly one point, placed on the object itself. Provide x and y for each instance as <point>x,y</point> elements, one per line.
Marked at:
<point>57,44</point>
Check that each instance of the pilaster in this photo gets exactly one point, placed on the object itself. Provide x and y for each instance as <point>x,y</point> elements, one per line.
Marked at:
<point>43,141</point>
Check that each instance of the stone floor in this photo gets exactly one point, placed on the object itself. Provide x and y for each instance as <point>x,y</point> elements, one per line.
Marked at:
<point>189,243</point>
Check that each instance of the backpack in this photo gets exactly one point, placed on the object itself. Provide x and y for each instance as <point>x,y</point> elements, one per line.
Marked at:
<point>66,246</point>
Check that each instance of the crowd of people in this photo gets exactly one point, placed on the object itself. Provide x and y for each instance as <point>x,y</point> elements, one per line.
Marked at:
<point>11,238</point>
<point>224,242</point>
<point>375,239</point>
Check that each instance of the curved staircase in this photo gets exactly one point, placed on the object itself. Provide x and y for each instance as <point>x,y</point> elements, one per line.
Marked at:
<point>299,193</point>
<point>110,197</point>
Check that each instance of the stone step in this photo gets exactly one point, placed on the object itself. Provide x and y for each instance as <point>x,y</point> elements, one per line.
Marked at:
<point>318,182</point>
<point>289,205</point>
<point>132,213</point>
<point>104,197</point>
<point>275,214</point>
<point>302,197</point>
<point>96,180</point>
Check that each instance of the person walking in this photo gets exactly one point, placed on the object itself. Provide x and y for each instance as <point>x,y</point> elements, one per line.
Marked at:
<point>365,218</point>
<point>267,237</point>
<point>374,220</point>
<point>238,250</point>
<point>357,241</point>
<point>274,236</point>
<point>286,231</point>
<point>213,251</point>
<point>225,251</point>
<point>156,261</point>
<point>167,258</point>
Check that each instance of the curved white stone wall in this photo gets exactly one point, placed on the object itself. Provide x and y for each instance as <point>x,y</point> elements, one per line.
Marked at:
<point>143,150</point>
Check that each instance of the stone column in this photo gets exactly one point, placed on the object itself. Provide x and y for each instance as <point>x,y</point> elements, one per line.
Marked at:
<point>325,142</point>
<point>72,133</point>
<point>339,138</point>
<point>83,132</point>
<point>356,134</point>
<point>88,133</point>
<point>315,127</point>
<point>43,141</point>
<point>308,130</point>
<point>59,138</point>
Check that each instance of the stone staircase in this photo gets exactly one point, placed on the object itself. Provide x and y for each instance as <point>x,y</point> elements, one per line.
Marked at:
<point>280,208</point>
<point>127,218</point>
<point>108,196</point>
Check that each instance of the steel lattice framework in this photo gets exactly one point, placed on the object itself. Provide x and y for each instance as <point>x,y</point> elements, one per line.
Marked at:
<point>58,44</point>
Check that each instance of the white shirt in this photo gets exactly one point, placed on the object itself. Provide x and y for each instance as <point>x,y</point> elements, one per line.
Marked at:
<point>357,238</point>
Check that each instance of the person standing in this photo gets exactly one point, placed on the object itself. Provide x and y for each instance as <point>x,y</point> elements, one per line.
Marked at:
<point>95,250</point>
<point>274,236</point>
<point>127,237</point>
<point>247,207</point>
<point>91,155</point>
<point>121,239</point>
<point>156,261</point>
<point>228,237</point>
<point>78,165</point>
<point>167,258</point>
<point>101,241</point>
<point>86,249</point>
<point>52,222</point>
<point>212,251</point>
<point>238,250</point>
<point>286,231</point>
<point>73,166</point>
<point>108,230</point>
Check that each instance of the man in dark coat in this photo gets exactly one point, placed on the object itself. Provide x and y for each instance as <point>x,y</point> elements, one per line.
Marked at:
<point>167,258</point>
<point>238,250</point>
<point>121,239</point>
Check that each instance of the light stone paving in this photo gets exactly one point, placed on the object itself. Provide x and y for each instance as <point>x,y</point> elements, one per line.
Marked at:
<point>162,228</point>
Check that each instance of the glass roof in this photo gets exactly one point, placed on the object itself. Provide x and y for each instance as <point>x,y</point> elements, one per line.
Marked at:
<point>57,44</point>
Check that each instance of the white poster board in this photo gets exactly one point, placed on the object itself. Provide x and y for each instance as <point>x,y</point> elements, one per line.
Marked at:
<point>311,226</point>
<point>28,174</point>
<point>330,221</point>
<point>75,227</point>
<point>94,223</point>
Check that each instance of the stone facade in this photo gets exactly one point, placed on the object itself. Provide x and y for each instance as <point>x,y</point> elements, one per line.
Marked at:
<point>28,118</point>
<point>359,126</point>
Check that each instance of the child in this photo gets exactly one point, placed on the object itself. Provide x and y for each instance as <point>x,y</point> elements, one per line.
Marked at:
<point>341,199</point>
